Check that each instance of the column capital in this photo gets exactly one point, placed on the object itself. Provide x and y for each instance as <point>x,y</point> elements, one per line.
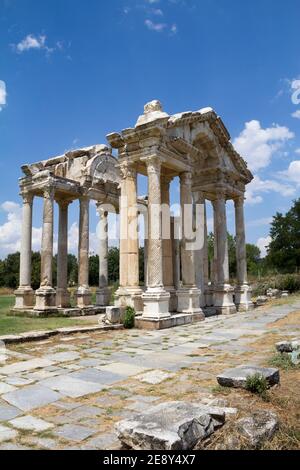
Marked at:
<point>239,201</point>
<point>127,169</point>
<point>153,164</point>
<point>27,197</point>
<point>48,192</point>
<point>186,178</point>
<point>63,203</point>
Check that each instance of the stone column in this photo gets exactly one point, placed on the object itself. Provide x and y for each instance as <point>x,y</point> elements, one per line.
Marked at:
<point>199,254</point>
<point>24,294</point>
<point>156,298</point>
<point>83,291</point>
<point>223,292</point>
<point>129,293</point>
<point>62,294</point>
<point>242,291</point>
<point>45,295</point>
<point>168,280</point>
<point>208,286</point>
<point>103,294</point>
<point>175,230</point>
<point>188,295</point>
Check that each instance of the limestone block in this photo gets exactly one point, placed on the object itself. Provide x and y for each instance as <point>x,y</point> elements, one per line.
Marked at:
<point>237,377</point>
<point>170,426</point>
<point>113,315</point>
<point>258,427</point>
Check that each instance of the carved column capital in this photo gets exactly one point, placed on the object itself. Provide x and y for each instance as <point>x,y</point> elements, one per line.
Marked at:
<point>239,201</point>
<point>153,164</point>
<point>48,192</point>
<point>186,178</point>
<point>63,203</point>
<point>27,198</point>
<point>127,170</point>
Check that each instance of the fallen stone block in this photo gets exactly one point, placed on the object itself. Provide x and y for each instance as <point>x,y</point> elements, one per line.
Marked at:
<point>113,316</point>
<point>261,300</point>
<point>258,427</point>
<point>285,293</point>
<point>237,377</point>
<point>273,293</point>
<point>287,346</point>
<point>170,426</point>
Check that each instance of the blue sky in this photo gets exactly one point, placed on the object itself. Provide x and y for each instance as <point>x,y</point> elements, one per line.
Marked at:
<point>73,71</point>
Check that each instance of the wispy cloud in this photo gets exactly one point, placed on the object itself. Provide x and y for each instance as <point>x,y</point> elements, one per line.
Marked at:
<point>296,114</point>
<point>36,43</point>
<point>157,27</point>
<point>3,94</point>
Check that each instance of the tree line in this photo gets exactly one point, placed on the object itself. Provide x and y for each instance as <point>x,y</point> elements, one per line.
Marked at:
<point>283,256</point>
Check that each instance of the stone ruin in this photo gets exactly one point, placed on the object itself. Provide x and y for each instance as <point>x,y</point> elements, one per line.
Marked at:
<point>180,285</point>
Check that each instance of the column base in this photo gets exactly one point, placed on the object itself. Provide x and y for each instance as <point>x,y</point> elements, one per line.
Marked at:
<point>189,300</point>
<point>173,303</point>
<point>156,304</point>
<point>63,298</point>
<point>84,297</point>
<point>172,321</point>
<point>129,297</point>
<point>209,297</point>
<point>243,300</point>
<point>45,300</point>
<point>103,297</point>
<point>223,299</point>
<point>24,298</point>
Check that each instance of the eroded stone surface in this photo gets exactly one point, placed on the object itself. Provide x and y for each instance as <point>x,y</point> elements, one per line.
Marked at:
<point>237,377</point>
<point>258,427</point>
<point>170,426</point>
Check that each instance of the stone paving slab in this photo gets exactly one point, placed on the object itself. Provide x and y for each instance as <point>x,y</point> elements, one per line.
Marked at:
<point>123,369</point>
<point>25,366</point>
<point>70,386</point>
<point>101,377</point>
<point>31,423</point>
<point>8,412</point>
<point>7,434</point>
<point>31,397</point>
<point>74,432</point>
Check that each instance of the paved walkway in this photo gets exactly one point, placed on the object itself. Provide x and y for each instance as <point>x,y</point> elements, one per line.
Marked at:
<point>68,392</point>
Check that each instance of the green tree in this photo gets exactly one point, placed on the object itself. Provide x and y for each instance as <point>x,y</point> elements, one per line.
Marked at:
<point>253,259</point>
<point>113,264</point>
<point>94,270</point>
<point>284,249</point>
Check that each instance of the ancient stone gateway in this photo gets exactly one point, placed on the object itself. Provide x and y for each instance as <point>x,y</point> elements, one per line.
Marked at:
<point>180,287</point>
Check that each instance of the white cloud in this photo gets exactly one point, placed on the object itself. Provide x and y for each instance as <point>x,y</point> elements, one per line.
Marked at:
<point>31,42</point>
<point>259,186</point>
<point>3,94</point>
<point>38,43</point>
<point>157,27</point>
<point>10,231</point>
<point>258,145</point>
<point>263,244</point>
<point>296,114</point>
<point>153,1</point>
<point>293,172</point>
<point>297,151</point>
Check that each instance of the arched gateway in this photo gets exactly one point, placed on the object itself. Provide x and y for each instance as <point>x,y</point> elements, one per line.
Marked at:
<point>196,147</point>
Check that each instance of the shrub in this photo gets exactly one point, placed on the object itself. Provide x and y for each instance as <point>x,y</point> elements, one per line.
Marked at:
<point>129,318</point>
<point>257,384</point>
<point>282,361</point>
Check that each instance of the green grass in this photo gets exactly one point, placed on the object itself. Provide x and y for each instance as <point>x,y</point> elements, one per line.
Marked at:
<point>283,361</point>
<point>13,325</point>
